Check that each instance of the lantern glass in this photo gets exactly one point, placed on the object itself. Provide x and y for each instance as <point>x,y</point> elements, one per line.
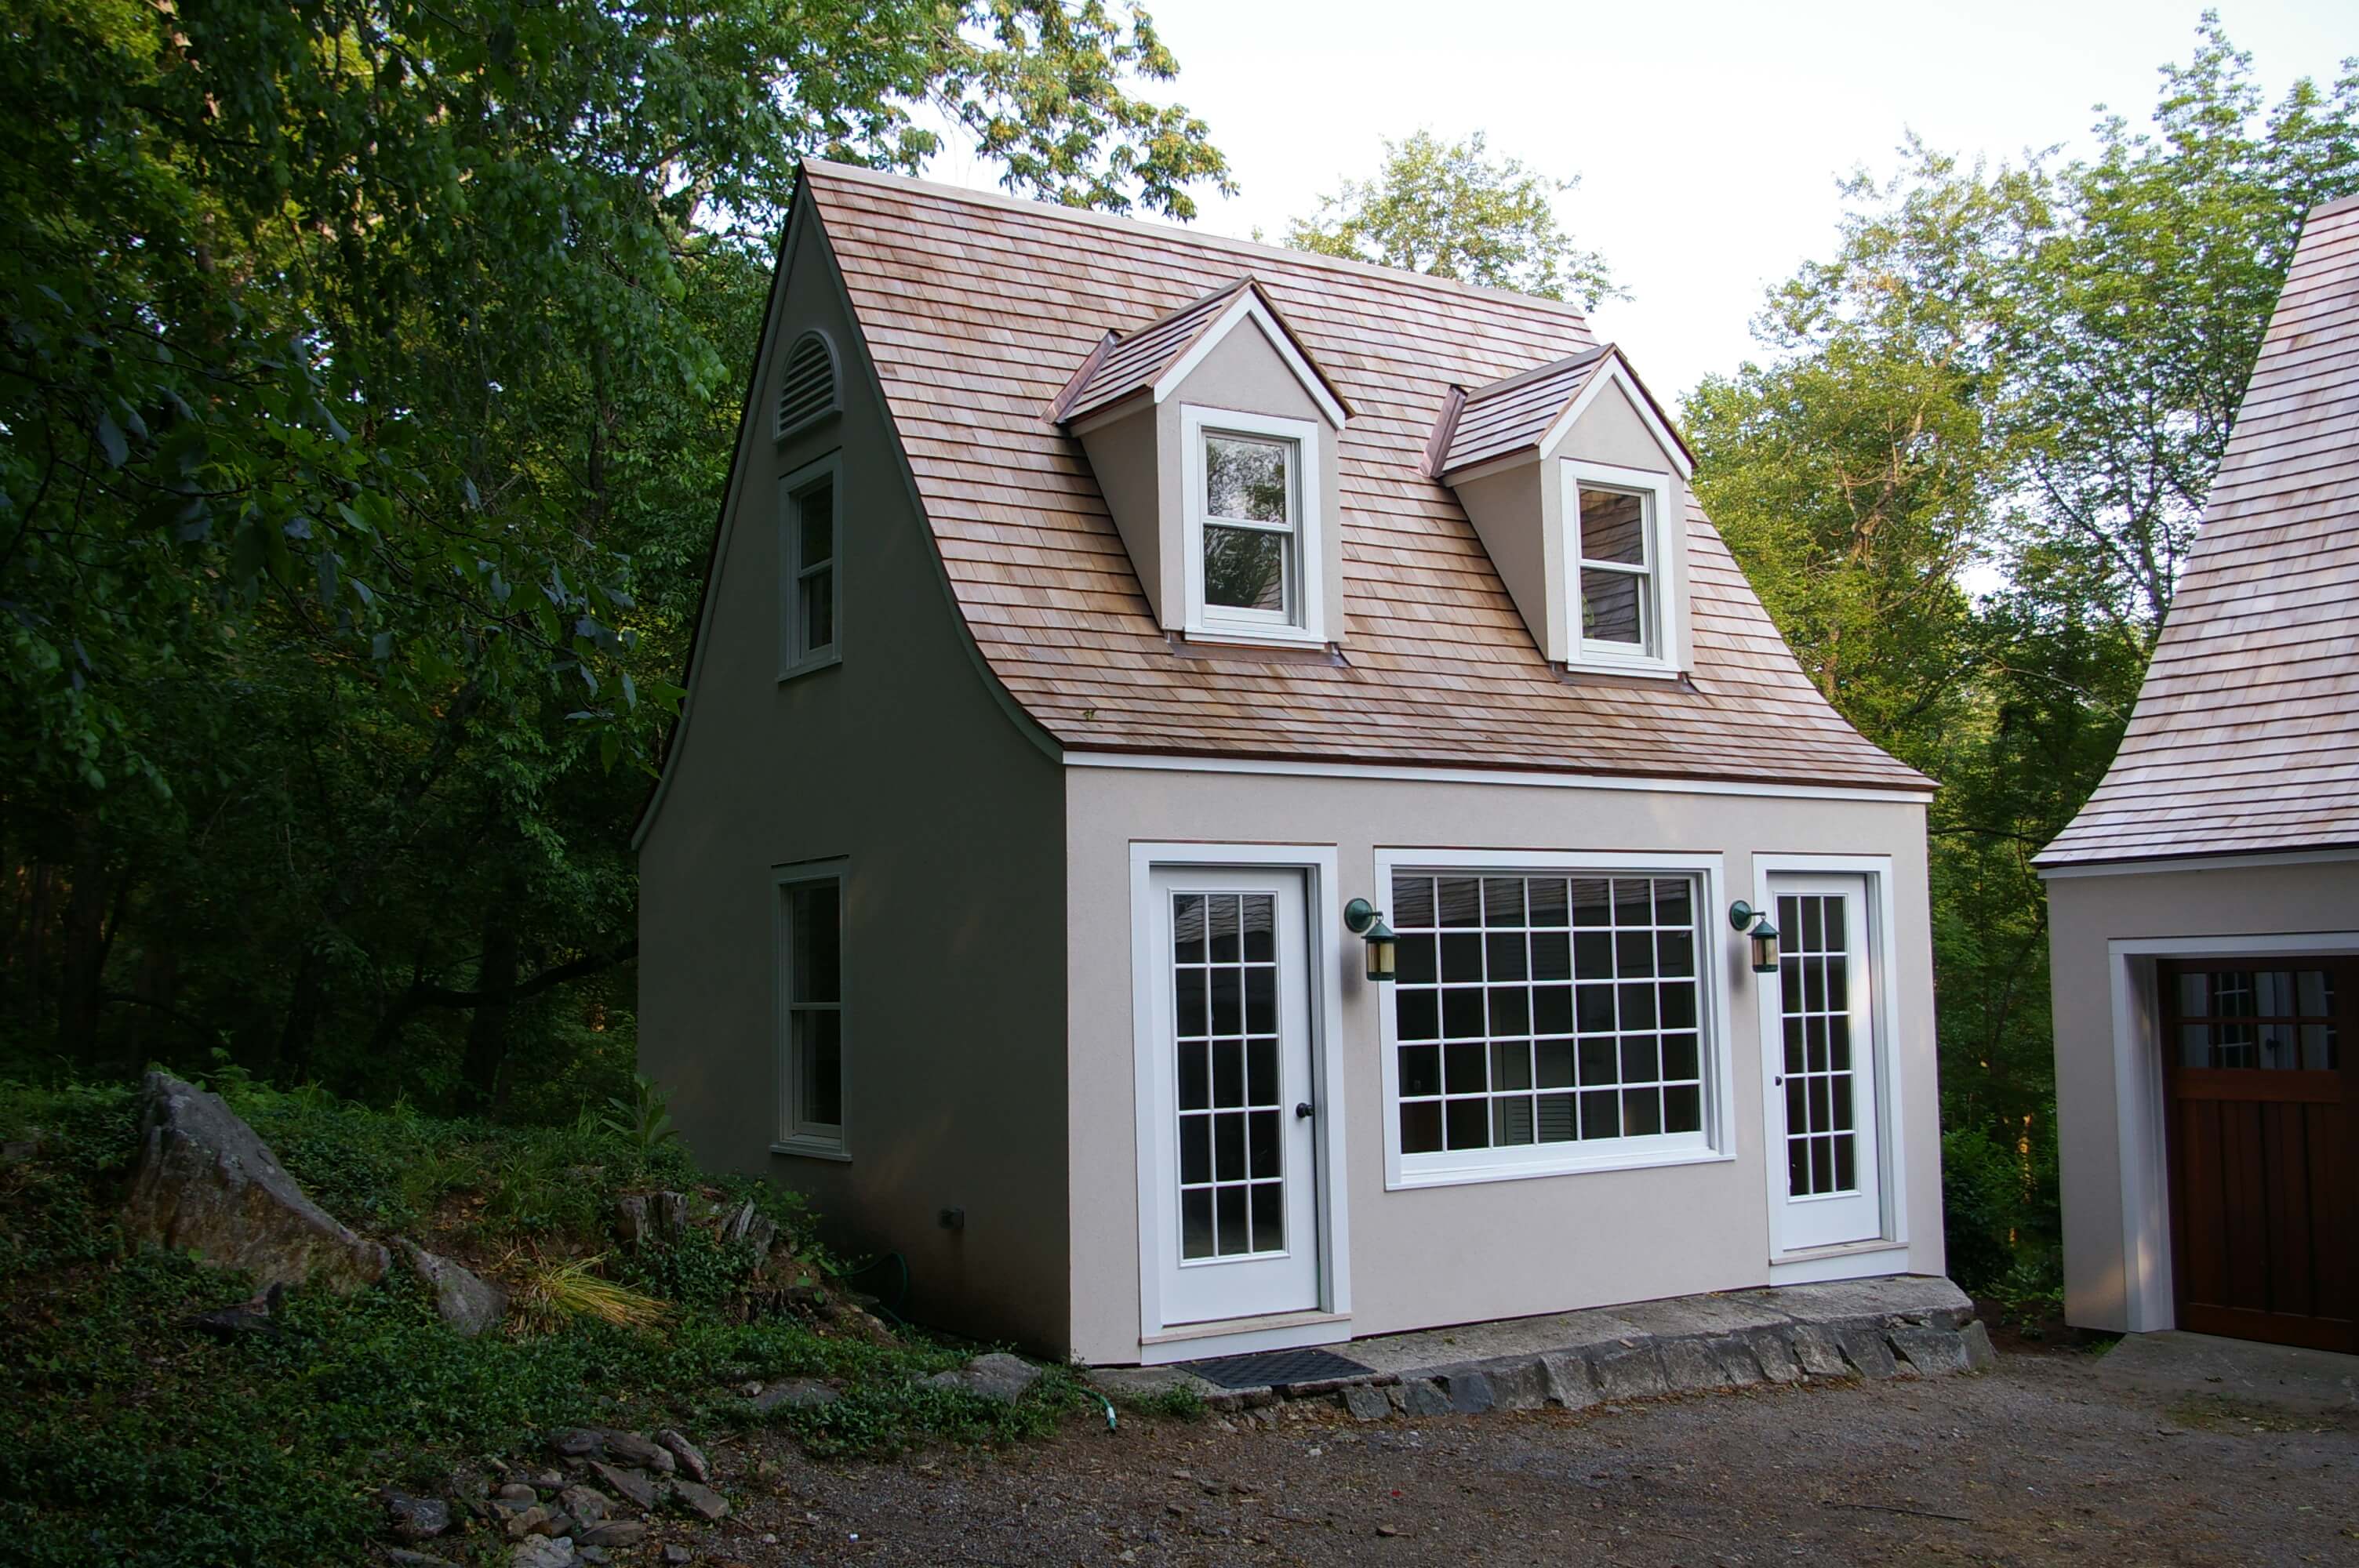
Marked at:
<point>1765,949</point>
<point>1384,949</point>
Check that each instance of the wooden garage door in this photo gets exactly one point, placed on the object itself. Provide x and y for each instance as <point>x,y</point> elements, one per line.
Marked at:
<point>2262,1081</point>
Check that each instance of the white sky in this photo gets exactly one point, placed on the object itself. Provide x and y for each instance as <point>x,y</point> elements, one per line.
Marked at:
<point>1709,135</point>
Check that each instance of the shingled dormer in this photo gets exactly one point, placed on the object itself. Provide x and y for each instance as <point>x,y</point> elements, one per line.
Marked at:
<point>1578,486</point>
<point>1213,437</point>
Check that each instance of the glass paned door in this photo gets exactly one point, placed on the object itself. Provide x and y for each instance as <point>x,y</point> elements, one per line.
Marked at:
<point>1821,1067</point>
<point>1233,1154</point>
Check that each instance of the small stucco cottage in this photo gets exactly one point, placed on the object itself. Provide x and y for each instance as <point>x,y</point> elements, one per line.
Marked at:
<point>2203,907</point>
<point>1119,641</point>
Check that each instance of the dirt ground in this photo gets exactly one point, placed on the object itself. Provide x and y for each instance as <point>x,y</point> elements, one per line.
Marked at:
<point>2040,1461</point>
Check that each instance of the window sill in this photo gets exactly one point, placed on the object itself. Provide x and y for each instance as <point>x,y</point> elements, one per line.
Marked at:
<point>811,1149</point>
<point>1463,1175</point>
<point>1256,637</point>
<point>1632,670</point>
<point>827,661</point>
<point>1201,645</point>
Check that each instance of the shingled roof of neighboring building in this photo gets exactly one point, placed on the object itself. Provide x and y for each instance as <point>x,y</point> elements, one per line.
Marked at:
<point>2245,737</point>
<point>976,309</point>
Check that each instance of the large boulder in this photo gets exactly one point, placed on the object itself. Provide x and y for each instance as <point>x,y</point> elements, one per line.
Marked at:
<point>206,1183</point>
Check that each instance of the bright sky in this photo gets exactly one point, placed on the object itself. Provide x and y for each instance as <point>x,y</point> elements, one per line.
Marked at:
<point>1709,135</point>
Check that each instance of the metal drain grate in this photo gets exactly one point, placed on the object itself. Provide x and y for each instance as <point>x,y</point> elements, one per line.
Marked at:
<point>1276,1368</point>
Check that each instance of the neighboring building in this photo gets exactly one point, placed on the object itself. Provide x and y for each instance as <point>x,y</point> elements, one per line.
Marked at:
<point>2204,908</point>
<point>1099,607</point>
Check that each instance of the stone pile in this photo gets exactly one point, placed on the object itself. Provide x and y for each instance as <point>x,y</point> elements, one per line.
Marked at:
<point>599,1492</point>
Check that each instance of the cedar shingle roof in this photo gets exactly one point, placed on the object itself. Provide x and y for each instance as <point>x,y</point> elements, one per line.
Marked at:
<point>1124,364</point>
<point>2247,732</point>
<point>976,311</point>
<point>1514,414</point>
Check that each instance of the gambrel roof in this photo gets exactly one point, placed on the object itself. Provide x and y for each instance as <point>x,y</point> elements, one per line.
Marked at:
<point>2247,732</point>
<point>976,309</point>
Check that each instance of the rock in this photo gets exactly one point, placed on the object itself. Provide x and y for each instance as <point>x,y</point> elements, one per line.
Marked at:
<point>543,1551</point>
<point>1931,1351</point>
<point>1471,1392</point>
<point>546,1480</point>
<point>803,1393</point>
<point>613,1532</point>
<point>1366,1403</point>
<point>578,1442</point>
<point>520,1493</point>
<point>1423,1396</point>
<point>670,1214</point>
<point>206,1183</point>
<point>1865,1348</point>
<point>632,1483</point>
<point>588,1505</point>
<point>1689,1366</point>
<point>1775,1355</point>
<point>593,1555</point>
<point>750,1225</point>
<point>700,1500</point>
<point>1736,1361</point>
<point>1981,1354</point>
<point>1629,1372</point>
<point>630,1448</point>
<point>17,1151</point>
<point>401,1557</point>
<point>469,1304</point>
<point>631,1219</point>
<point>1818,1350</point>
<point>256,1315</point>
<point>532,1520</point>
<point>1570,1383</point>
<point>998,1377</point>
<point>676,1555</point>
<point>692,1458</point>
<point>417,1519</point>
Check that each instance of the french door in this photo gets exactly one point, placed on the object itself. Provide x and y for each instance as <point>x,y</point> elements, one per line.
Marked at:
<point>1234,1173</point>
<point>2262,1096</point>
<point>1822,1067</point>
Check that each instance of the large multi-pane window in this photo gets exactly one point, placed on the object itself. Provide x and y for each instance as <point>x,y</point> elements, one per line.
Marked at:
<point>811,1067</point>
<point>1534,1009</point>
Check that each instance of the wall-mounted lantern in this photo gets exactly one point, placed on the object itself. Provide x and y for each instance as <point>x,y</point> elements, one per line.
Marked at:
<point>1368,922</point>
<point>1754,923</point>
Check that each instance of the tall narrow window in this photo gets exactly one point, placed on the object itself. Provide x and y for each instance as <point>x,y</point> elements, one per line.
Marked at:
<point>1253,572</point>
<point>1617,569</point>
<point>810,1068</point>
<point>809,580</point>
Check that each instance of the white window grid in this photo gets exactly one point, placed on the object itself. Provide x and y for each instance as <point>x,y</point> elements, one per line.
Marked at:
<point>1286,530</point>
<point>810,566</point>
<point>1540,1008</point>
<point>1658,651</point>
<point>1303,619</point>
<point>1821,1077</point>
<point>1227,1059</point>
<point>1641,572</point>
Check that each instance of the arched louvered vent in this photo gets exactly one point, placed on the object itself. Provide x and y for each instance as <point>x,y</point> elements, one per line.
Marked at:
<point>807,388</point>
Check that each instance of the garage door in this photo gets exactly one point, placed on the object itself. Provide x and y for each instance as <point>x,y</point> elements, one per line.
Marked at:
<point>2262,1083</point>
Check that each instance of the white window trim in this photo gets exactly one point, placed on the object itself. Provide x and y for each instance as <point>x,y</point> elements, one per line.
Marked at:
<point>795,1136</point>
<point>790,566</point>
<point>1327,943</point>
<point>1717,1140</point>
<point>1214,624</point>
<point>1663,654</point>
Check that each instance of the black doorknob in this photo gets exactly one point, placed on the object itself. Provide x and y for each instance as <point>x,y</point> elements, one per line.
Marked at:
<point>1303,1110</point>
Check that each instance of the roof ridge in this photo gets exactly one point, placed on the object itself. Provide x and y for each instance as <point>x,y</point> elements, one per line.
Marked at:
<point>1505,385</point>
<point>1185,236</point>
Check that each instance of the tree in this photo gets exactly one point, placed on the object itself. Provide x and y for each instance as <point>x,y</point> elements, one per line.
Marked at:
<point>2022,378</point>
<point>1456,211</point>
<point>368,383</point>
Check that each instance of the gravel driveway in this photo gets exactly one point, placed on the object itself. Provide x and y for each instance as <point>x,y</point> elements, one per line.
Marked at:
<point>2036,1463</point>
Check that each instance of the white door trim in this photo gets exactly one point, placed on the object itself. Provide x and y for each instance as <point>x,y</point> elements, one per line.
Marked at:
<point>2150,1302</point>
<point>1325,947</point>
<point>1883,936</point>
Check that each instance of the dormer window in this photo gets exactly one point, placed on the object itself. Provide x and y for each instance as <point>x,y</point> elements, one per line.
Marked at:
<point>1213,439</point>
<point>1251,522</point>
<point>1619,580</point>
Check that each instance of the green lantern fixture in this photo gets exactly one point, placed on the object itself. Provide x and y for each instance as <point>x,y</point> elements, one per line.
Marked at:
<point>1754,923</point>
<point>1368,922</point>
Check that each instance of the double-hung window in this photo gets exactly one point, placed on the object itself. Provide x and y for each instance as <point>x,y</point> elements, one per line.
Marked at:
<point>810,1009</point>
<point>1620,576</point>
<point>1252,528</point>
<point>1549,1017</point>
<point>810,542</point>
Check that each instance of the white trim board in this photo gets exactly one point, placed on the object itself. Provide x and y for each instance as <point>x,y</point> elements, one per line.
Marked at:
<point>1407,773</point>
<point>1615,371</point>
<point>1247,306</point>
<point>1213,623</point>
<point>2148,1300</point>
<point>1326,945</point>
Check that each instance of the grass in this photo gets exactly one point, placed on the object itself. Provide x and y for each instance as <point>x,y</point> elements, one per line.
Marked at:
<point>127,1438</point>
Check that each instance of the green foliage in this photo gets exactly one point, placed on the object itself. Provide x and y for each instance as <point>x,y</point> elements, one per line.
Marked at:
<point>126,1438</point>
<point>645,1118</point>
<point>2020,380</point>
<point>368,381</point>
<point>1456,211</point>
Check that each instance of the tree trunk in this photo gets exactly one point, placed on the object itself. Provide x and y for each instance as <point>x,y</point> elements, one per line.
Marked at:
<point>487,1033</point>
<point>83,956</point>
